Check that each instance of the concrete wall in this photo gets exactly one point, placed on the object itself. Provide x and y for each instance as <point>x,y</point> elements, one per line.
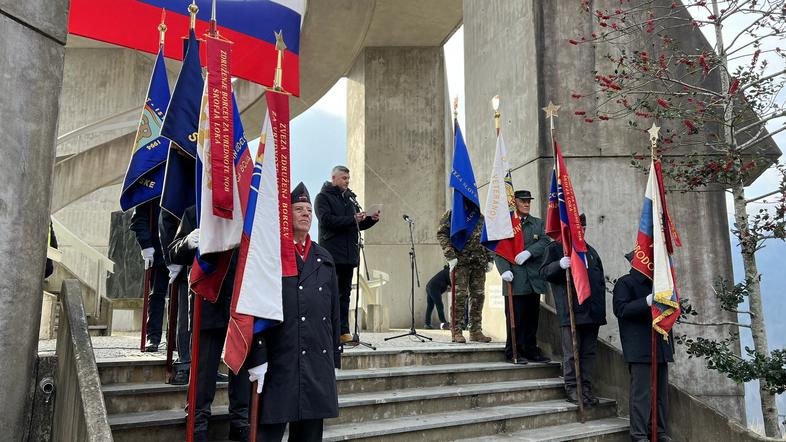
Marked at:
<point>519,50</point>
<point>396,154</point>
<point>32,49</point>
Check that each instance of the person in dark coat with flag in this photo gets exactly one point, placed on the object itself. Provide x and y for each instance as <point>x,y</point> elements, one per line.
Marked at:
<point>295,361</point>
<point>632,307</point>
<point>590,315</point>
<point>340,220</point>
<point>212,332</point>
<point>178,277</point>
<point>524,277</point>
<point>144,224</point>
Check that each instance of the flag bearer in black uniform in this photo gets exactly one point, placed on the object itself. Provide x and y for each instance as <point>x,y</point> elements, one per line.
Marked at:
<point>303,351</point>
<point>212,332</point>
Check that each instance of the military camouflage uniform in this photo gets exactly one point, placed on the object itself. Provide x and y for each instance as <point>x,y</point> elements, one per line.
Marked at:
<point>470,273</point>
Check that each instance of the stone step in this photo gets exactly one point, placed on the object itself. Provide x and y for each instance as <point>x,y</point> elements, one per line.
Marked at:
<point>97,330</point>
<point>151,396</point>
<point>168,426</point>
<point>613,429</point>
<point>124,370</point>
<point>372,406</point>
<point>472,422</point>
<point>396,378</point>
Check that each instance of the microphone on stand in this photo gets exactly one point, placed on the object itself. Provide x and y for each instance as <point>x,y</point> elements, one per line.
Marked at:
<point>408,219</point>
<point>353,199</point>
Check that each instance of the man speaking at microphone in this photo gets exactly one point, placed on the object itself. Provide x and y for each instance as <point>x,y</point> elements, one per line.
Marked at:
<point>340,221</point>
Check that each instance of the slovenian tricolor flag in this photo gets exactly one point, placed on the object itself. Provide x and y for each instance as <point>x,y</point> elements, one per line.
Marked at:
<point>563,224</point>
<point>249,24</point>
<point>145,175</point>
<point>466,206</point>
<point>257,302</point>
<point>502,226</point>
<point>654,247</point>
<point>218,236</point>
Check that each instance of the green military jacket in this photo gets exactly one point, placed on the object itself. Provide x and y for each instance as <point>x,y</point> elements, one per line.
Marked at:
<point>473,253</point>
<point>526,278</point>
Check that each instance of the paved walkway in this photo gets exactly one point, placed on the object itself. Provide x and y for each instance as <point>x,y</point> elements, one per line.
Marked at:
<point>126,345</point>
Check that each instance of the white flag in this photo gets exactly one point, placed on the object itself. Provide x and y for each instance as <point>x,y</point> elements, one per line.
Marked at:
<point>497,212</point>
<point>216,234</point>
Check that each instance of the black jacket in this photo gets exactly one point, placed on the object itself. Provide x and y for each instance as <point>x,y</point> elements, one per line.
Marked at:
<point>214,315</point>
<point>593,310</point>
<point>144,224</point>
<point>635,320</point>
<point>338,231</point>
<point>167,229</point>
<point>303,351</point>
<point>440,282</point>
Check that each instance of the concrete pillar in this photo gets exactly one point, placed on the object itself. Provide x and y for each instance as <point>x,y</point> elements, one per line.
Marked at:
<point>396,153</point>
<point>519,50</point>
<point>32,51</point>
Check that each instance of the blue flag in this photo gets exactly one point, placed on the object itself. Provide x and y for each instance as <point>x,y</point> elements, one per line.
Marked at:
<point>182,116</point>
<point>466,205</point>
<point>180,126</point>
<point>144,178</point>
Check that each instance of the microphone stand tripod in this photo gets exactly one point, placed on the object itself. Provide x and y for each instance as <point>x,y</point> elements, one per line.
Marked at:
<point>361,252</point>
<point>413,266</point>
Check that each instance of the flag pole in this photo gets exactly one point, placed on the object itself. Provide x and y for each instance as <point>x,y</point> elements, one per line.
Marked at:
<point>193,10</point>
<point>511,312</point>
<point>653,133</point>
<point>171,329</point>
<point>551,113</point>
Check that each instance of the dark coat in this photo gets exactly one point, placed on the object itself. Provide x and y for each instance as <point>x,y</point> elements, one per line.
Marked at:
<point>303,351</point>
<point>167,229</point>
<point>214,315</point>
<point>440,282</point>
<point>526,278</point>
<point>338,231</point>
<point>144,224</point>
<point>593,310</point>
<point>635,320</point>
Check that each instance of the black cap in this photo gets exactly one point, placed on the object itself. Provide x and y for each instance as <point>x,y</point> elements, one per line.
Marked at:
<point>300,194</point>
<point>583,220</point>
<point>523,195</point>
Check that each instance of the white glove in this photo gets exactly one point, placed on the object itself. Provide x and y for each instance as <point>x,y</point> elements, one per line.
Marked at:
<point>147,256</point>
<point>257,374</point>
<point>192,240</point>
<point>452,264</point>
<point>489,267</point>
<point>564,262</point>
<point>649,299</point>
<point>522,257</point>
<point>507,276</point>
<point>174,270</point>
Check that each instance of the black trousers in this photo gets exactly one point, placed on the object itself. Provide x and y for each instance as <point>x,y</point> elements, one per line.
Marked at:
<point>434,299</point>
<point>159,284</point>
<point>308,430</point>
<point>640,400</point>
<point>587,342</point>
<point>344,273</point>
<point>211,342</point>
<point>183,321</point>
<point>526,312</point>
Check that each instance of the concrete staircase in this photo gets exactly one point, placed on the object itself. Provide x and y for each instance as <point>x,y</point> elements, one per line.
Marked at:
<point>422,394</point>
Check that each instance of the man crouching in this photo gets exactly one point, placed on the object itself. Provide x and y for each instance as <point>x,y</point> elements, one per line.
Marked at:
<point>302,352</point>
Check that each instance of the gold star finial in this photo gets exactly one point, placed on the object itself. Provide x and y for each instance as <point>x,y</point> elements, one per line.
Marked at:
<point>551,110</point>
<point>280,46</point>
<point>654,131</point>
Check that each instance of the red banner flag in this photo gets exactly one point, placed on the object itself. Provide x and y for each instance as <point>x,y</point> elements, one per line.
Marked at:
<point>278,105</point>
<point>219,92</point>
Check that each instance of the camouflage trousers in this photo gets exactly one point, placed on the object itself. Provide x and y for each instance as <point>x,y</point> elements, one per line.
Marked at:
<point>470,283</point>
